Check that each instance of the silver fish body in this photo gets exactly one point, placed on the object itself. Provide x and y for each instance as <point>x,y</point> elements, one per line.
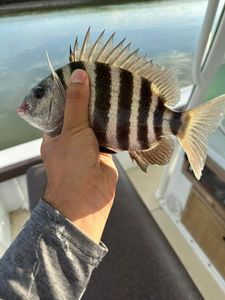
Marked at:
<point>130,105</point>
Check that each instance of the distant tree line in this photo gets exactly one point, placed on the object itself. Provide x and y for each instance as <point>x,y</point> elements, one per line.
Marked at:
<point>2,2</point>
<point>85,1</point>
<point>15,1</point>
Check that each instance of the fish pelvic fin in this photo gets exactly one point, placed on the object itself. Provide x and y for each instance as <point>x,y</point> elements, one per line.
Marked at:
<point>198,124</point>
<point>140,162</point>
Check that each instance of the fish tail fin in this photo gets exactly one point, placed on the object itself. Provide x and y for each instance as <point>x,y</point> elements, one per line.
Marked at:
<point>198,124</point>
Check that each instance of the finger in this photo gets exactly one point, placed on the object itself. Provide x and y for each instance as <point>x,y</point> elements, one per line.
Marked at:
<point>102,155</point>
<point>77,98</point>
<point>105,158</point>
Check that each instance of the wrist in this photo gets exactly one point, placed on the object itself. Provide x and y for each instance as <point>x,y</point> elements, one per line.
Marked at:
<point>89,219</point>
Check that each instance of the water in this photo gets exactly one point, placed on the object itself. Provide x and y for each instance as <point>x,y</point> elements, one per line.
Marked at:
<point>166,30</point>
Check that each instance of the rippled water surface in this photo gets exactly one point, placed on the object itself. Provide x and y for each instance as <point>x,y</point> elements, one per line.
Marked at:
<point>166,30</point>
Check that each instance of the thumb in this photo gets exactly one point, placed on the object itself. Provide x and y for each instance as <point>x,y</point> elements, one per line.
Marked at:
<point>77,98</point>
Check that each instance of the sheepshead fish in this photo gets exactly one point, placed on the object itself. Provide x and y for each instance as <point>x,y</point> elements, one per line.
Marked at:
<point>130,107</point>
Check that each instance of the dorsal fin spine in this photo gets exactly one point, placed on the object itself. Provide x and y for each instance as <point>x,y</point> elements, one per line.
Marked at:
<point>114,50</point>
<point>135,65</point>
<point>138,67</point>
<point>75,49</point>
<point>95,45</point>
<point>51,66</point>
<point>129,57</point>
<point>145,66</point>
<point>85,42</point>
<point>132,64</point>
<point>121,52</point>
<point>71,56</point>
<point>104,47</point>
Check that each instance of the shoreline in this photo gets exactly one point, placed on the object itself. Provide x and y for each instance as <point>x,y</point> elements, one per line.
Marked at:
<point>26,6</point>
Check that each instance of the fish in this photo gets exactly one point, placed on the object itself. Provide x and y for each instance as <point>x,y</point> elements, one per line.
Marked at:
<point>131,107</point>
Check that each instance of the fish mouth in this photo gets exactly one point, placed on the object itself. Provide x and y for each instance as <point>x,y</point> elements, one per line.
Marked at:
<point>22,110</point>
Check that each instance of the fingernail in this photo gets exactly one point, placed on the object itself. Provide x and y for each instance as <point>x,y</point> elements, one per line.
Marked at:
<point>78,76</point>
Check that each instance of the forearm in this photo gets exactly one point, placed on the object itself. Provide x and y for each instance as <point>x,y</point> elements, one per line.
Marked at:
<point>50,259</point>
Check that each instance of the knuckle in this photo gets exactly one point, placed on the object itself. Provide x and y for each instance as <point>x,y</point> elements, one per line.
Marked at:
<point>75,92</point>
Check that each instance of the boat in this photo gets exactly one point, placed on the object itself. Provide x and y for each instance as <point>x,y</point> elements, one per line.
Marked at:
<point>175,192</point>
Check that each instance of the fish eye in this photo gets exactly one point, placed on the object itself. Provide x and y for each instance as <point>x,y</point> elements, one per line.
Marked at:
<point>38,92</point>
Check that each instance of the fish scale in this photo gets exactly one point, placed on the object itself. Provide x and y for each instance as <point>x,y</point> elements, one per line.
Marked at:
<point>131,104</point>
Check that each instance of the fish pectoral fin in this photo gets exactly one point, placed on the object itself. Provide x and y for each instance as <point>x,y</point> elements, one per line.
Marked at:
<point>160,154</point>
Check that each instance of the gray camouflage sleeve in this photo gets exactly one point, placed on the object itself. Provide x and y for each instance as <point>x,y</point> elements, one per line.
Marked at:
<point>50,259</point>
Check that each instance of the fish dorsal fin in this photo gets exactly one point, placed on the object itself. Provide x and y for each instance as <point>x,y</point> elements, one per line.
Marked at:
<point>164,81</point>
<point>58,84</point>
<point>74,54</point>
<point>114,52</point>
<point>120,55</point>
<point>166,84</point>
<point>76,50</point>
<point>134,63</point>
<point>105,49</point>
<point>94,49</point>
<point>160,154</point>
<point>130,58</point>
<point>71,56</point>
<point>84,49</point>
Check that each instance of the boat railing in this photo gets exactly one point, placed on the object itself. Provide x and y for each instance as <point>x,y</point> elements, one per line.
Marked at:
<point>209,54</point>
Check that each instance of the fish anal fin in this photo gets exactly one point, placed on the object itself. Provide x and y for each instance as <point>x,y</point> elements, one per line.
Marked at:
<point>160,154</point>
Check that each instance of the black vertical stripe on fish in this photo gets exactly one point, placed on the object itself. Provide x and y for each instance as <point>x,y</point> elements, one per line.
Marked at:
<point>102,101</point>
<point>158,118</point>
<point>76,65</point>
<point>143,113</point>
<point>124,109</point>
<point>59,72</point>
<point>72,66</point>
<point>175,122</point>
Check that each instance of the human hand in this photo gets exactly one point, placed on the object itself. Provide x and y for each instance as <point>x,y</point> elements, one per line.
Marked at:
<point>81,181</point>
